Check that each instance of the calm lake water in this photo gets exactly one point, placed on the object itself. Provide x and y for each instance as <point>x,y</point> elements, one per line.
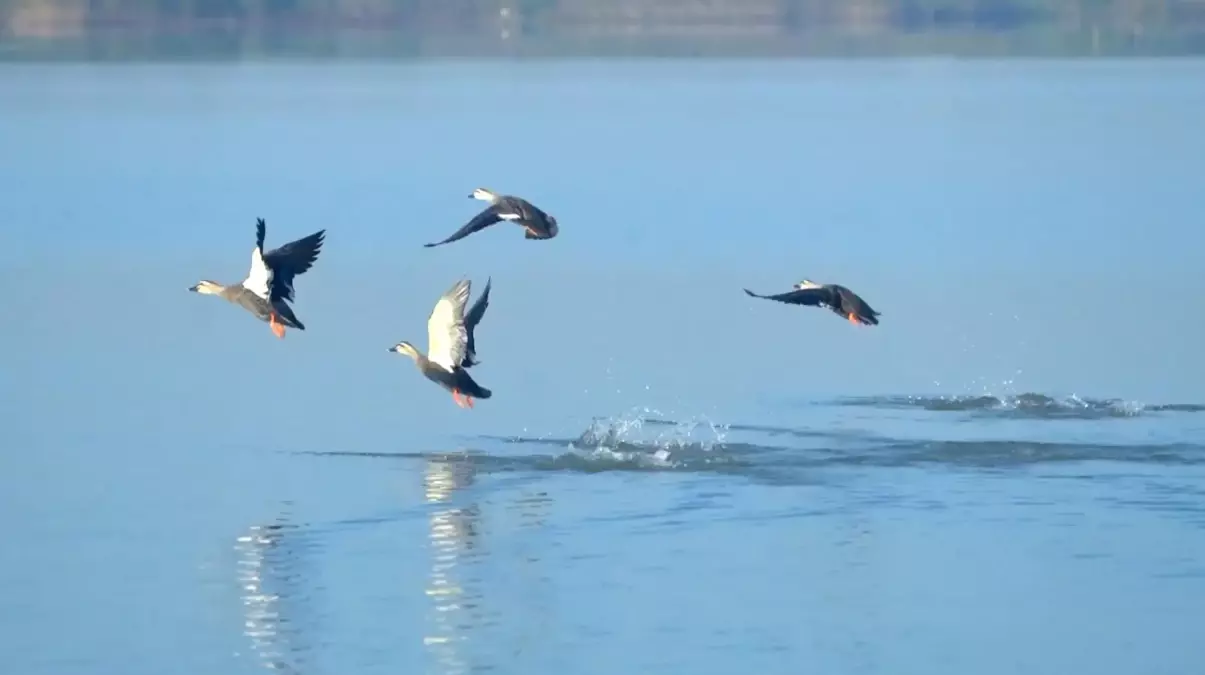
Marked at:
<point>1007,475</point>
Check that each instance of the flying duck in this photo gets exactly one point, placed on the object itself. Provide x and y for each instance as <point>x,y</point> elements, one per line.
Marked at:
<point>842,301</point>
<point>537,223</point>
<point>268,288</point>
<point>449,340</point>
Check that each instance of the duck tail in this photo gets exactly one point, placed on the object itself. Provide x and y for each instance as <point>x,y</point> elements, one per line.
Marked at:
<point>287,317</point>
<point>469,386</point>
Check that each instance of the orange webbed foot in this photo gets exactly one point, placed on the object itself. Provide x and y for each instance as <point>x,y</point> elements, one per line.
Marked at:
<point>278,329</point>
<point>469,400</point>
<point>456,396</point>
<point>853,318</point>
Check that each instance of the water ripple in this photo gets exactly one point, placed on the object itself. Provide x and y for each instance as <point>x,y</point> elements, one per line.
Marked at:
<point>277,592</point>
<point>1027,406</point>
<point>645,440</point>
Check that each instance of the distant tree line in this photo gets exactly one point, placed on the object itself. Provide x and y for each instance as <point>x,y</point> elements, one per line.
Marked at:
<point>238,28</point>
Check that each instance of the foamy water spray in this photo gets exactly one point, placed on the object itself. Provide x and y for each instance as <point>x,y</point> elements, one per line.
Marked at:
<point>649,437</point>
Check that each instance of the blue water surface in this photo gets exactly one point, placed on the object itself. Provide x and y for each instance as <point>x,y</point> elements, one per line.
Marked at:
<point>1004,476</point>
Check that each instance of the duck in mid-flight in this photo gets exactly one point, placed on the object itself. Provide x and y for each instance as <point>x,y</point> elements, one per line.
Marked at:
<point>536,223</point>
<point>842,301</point>
<point>268,288</point>
<point>451,348</point>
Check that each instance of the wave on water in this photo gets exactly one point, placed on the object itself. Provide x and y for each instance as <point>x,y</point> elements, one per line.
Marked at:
<point>1027,405</point>
<point>646,440</point>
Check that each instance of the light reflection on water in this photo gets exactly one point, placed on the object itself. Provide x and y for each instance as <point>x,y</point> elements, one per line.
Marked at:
<point>270,583</point>
<point>1067,532</point>
<point>453,534</point>
<point>500,572</point>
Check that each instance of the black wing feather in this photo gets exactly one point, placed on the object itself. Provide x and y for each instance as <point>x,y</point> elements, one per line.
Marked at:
<point>492,214</point>
<point>470,322</point>
<point>478,310</point>
<point>801,296</point>
<point>260,229</point>
<point>286,262</point>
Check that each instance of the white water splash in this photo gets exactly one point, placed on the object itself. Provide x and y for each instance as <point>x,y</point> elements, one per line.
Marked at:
<point>648,437</point>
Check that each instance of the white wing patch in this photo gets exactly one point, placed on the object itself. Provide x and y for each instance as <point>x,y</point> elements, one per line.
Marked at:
<point>446,334</point>
<point>509,216</point>
<point>259,279</point>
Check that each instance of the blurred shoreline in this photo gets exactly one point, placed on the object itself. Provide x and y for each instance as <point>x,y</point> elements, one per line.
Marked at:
<point>184,30</point>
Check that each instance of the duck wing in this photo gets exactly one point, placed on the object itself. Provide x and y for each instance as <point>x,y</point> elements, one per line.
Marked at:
<point>526,210</point>
<point>537,223</point>
<point>447,338</point>
<point>470,322</point>
<point>493,213</point>
<point>286,262</point>
<point>801,296</point>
